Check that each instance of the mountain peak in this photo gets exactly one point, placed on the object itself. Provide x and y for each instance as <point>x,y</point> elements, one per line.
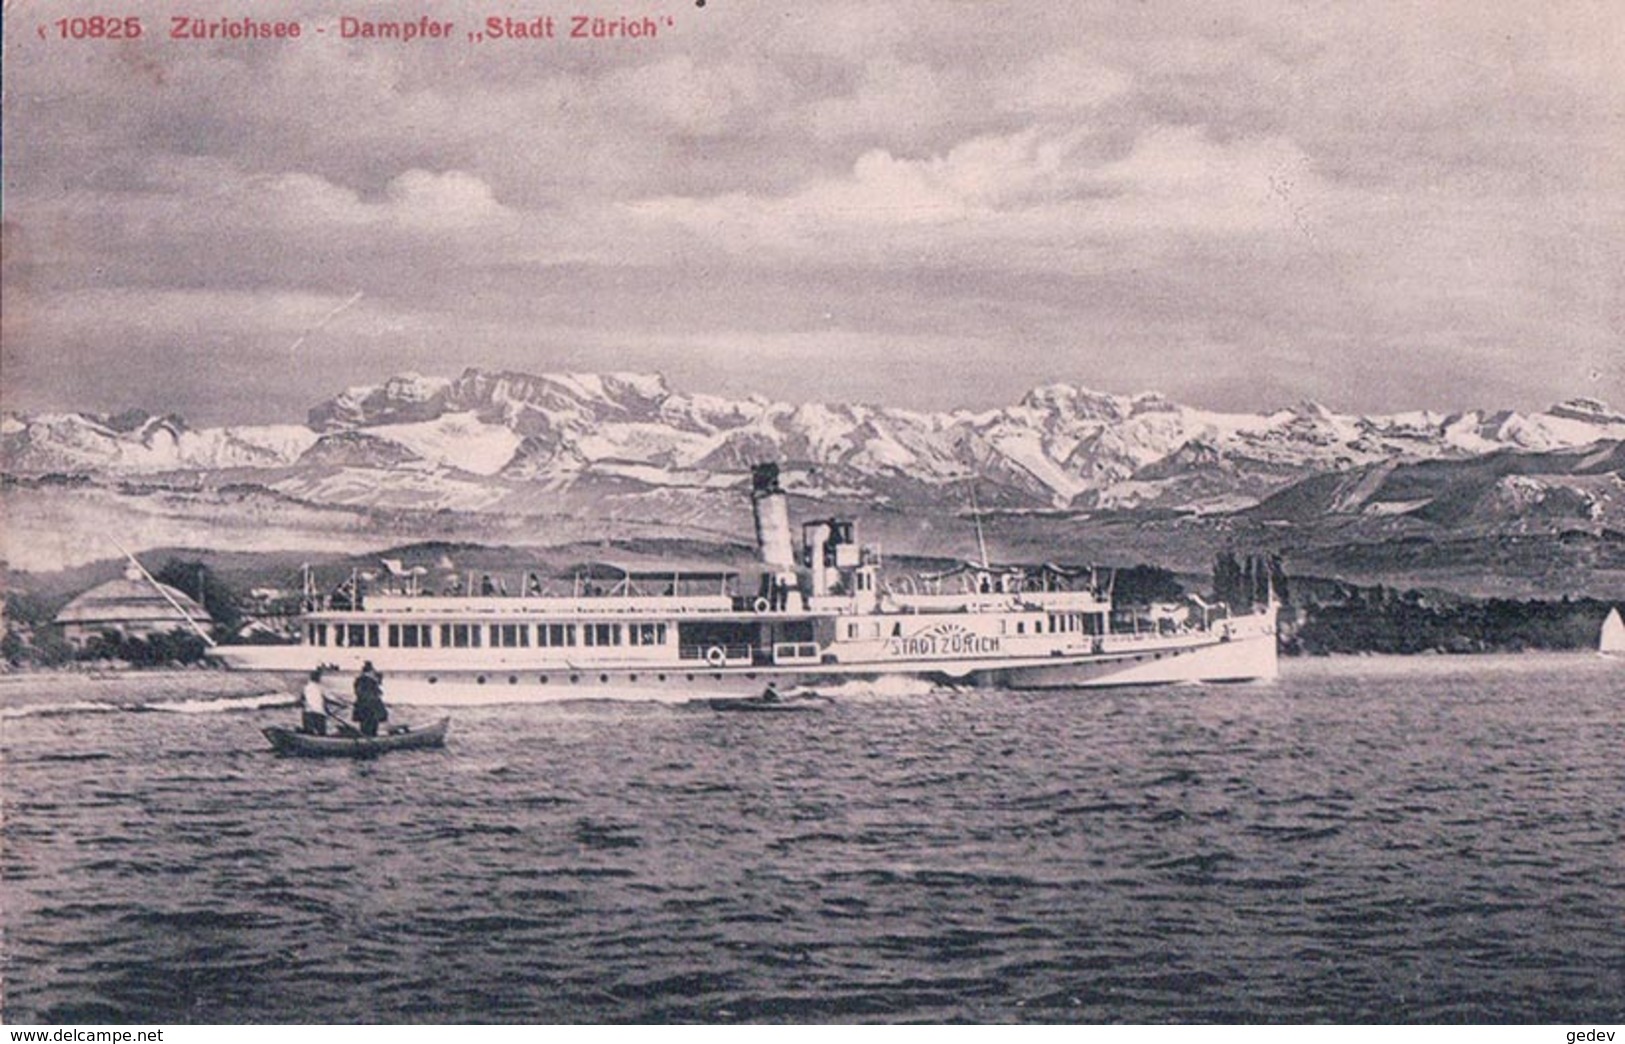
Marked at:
<point>495,431</point>
<point>414,387</point>
<point>1592,411</point>
<point>1077,401</point>
<point>403,398</point>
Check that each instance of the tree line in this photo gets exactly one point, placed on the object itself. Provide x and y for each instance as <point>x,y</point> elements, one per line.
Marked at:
<point>1319,617</point>
<point>1384,620</point>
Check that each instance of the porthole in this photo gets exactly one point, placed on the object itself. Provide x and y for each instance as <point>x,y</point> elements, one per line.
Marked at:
<point>543,679</point>
<point>433,679</point>
<point>660,677</point>
<point>513,679</point>
<point>690,677</point>
<point>603,679</point>
<point>480,679</point>
<point>632,677</point>
<point>574,678</point>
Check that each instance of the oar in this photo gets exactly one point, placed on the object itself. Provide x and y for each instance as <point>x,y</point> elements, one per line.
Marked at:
<point>393,730</point>
<point>348,707</point>
<point>346,730</point>
<point>349,729</point>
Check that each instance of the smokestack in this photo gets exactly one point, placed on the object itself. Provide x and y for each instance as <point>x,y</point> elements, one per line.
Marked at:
<point>772,513</point>
<point>816,537</point>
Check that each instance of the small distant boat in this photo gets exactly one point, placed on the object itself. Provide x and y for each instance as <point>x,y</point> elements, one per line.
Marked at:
<point>1611,642</point>
<point>768,703</point>
<point>405,737</point>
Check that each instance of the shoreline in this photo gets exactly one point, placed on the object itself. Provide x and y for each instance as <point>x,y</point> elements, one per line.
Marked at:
<point>23,688</point>
<point>1396,663</point>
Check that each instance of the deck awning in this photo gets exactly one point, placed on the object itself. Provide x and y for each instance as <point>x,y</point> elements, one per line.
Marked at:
<point>695,572</point>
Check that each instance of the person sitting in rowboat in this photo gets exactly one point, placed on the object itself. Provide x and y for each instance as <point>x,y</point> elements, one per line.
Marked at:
<point>369,709</point>
<point>313,721</point>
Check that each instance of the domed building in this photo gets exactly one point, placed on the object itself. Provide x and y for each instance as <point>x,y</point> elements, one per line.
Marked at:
<point>131,606</point>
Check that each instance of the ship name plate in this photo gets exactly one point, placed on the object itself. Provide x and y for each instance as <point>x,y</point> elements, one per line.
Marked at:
<point>943,640</point>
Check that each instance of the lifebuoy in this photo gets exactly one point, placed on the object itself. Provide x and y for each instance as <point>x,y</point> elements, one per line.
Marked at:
<point>715,656</point>
<point>761,605</point>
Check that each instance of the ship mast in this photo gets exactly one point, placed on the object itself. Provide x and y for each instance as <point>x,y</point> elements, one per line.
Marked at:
<point>156,586</point>
<point>976,516</point>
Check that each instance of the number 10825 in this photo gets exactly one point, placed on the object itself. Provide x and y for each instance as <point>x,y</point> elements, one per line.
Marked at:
<point>98,27</point>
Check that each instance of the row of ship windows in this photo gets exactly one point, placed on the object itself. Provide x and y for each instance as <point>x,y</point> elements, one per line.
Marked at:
<point>1075,623</point>
<point>475,636</point>
<point>1058,623</point>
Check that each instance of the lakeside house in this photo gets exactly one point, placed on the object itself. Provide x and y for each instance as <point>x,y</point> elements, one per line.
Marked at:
<point>131,606</point>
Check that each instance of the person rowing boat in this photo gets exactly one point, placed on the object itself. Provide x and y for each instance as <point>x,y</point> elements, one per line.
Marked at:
<point>770,700</point>
<point>369,711</point>
<point>313,722</point>
<point>317,707</point>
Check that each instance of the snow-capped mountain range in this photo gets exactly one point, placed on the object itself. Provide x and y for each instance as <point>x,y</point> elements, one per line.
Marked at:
<point>483,439</point>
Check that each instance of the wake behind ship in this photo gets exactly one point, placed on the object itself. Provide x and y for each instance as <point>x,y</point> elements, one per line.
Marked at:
<point>821,617</point>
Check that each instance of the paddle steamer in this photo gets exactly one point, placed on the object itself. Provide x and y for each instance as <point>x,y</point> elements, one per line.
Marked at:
<point>818,619</point>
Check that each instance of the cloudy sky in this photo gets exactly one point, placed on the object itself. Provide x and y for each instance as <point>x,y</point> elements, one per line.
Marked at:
<point>1382,206</point>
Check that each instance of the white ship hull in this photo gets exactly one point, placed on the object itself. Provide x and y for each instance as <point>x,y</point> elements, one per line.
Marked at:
<point>822,619</point>
<point>1249,653</point>
<point>1242,649</point>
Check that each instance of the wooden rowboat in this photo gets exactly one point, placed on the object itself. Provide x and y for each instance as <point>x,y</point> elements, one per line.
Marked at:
<point>404,737</point>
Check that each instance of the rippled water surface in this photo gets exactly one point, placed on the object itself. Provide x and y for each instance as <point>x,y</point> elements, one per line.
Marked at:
<point>1364,841</point>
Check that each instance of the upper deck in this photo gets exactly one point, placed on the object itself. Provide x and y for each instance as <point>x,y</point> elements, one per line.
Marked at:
<point>590,589</point>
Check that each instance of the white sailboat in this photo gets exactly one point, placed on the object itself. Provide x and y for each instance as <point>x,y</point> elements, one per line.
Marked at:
<point>1611,642</point>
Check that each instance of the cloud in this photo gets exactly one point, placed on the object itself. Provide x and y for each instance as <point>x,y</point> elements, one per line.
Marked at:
<point>453,199</point>
<point>680,96</point>
<point>992,200</point>
<point>1062,83</point>
<point>890,95</point>
<point>1420,188</point>
<point>1181,180</point>
<point>180,314</point>
<point>413,202</point>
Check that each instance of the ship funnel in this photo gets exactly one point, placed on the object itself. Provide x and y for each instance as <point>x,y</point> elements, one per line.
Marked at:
<point>772,512</point>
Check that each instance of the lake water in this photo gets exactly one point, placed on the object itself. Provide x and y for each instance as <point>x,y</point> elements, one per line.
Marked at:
<point>1432,840</point>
